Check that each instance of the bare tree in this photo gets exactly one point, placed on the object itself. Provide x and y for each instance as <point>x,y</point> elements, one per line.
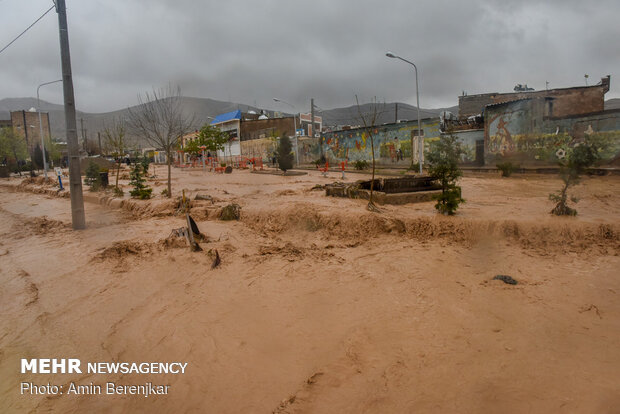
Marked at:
<point>116,142</point>
<point>160,120</point>
<point>369,120</point>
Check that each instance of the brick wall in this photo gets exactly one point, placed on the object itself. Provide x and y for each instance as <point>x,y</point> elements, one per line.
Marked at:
<point>26,124</point>
<point>566,101</point>
<point>263,128</point>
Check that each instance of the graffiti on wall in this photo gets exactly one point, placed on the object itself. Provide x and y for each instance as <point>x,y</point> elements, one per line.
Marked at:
<point>392,143</point>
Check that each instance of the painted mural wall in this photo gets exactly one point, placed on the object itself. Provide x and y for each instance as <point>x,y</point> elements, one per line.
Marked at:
<point>392,143</point>
<point>468,140</point>
<point>518,132</point>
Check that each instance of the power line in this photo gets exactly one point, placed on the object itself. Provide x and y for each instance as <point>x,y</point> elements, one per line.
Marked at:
<point>28,28</point>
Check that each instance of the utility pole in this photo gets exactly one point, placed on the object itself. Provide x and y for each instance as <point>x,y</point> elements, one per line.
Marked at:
<point>99,139</point>
<point>75,178</point>
<point>396,112</point>
<point>312,116</point>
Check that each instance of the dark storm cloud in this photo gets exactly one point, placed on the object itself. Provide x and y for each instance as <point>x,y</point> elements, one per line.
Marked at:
<point>330,50</point>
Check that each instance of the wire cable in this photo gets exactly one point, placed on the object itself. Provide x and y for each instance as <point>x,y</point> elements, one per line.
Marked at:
<point>28,28</point>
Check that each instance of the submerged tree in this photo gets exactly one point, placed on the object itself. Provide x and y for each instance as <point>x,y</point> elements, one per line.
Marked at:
<point>140,189</point>
<point>443,158</point>
<point>284,154</point>
<point>116,143</point>
<point>369,121</point>
<point>211,138</point>
<point>573,162</point>
<point>159,118</point>
<point>92,177</point>
<point>13,149</point>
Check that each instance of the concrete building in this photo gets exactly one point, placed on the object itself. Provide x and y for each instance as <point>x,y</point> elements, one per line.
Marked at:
<point>559,102</point>
<point>26,124</point>
<point>230,123</point>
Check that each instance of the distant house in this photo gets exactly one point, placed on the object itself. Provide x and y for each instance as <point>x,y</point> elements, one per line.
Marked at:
<point>230,123</point>
<point>520,126</point>
<point>26,124</point>
<point>576,100</point>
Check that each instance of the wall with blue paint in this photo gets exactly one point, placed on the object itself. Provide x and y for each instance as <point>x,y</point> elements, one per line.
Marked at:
<point>468,139</point>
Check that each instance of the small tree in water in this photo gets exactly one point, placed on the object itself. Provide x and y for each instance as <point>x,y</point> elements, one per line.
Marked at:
<point>93,179</point>
<point>370,120</point>
<point>573,162</point>
<point>284,154</point>
<point>140,190</point>
<point>443,159</point>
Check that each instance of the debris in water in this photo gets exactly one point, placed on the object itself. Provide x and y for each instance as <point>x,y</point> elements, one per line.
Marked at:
<point>231,212</point>
<point>216,261</point>
<point>505,279</point>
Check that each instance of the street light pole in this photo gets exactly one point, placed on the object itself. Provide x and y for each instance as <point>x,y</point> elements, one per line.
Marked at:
<point>294,127</point>
<point>41,125</point>
<point>417,94</point>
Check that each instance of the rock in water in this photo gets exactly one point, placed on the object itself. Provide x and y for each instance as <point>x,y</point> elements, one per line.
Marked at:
<point>505,279</point>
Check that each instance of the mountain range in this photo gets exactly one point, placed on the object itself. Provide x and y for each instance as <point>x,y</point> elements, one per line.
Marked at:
<point>202,109</point>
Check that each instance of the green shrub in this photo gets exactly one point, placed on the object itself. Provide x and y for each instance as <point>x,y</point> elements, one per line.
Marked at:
<point>231,212</point>
<point>145,162</point>
<point>140,190</point>
<point>361,165</point>
<point>284,154</point>
<point>573,162</point>
<point>507,168</point>
<point>443,159</point>
<point>93,179</point>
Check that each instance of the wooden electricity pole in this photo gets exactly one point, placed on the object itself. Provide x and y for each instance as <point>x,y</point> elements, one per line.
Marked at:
<point>75,178</point>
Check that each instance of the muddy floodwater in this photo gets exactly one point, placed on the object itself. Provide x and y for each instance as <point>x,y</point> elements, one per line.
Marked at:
<point>317,305</point>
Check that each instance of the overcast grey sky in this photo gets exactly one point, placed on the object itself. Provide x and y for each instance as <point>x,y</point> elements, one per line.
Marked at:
<point>252,51</point>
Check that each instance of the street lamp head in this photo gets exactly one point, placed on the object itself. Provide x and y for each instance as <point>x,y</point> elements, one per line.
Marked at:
<point>276,99</point>
<point>391,55</point>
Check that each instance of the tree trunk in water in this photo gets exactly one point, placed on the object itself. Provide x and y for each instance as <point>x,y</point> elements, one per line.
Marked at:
<point>118,171</point>
<point>168,155</point>
<point>372,181</point>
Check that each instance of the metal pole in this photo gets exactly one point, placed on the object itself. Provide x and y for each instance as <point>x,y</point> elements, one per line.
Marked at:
<point>296,142</point>
<point>41,135</point>
<point>75,179</point>
<point>312,115</point>
<point>420,132</point>
<point>41,124</point>
<point>417,93</point>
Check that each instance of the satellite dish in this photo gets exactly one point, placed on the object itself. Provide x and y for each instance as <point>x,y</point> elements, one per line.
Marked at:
<point>33,109</point>
<point>263,117</point>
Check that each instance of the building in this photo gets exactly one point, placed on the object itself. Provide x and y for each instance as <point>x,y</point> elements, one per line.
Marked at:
<point>230,123</point>
<point>26,124</point>
<point>528,127</point>
<point>255,134</point>
<point>559,102</point>
<point>306,125</point>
